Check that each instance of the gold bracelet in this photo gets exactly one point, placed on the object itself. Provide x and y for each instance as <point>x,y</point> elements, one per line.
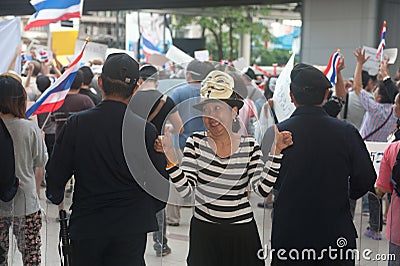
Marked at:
<point>172,164</point>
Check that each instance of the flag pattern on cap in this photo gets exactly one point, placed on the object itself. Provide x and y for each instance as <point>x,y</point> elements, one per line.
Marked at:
<point>50,11</point>
<point>44,56</point>
<point>53,98</point>
<point>332,67</point>
<point>382,43</point>
<point>224,62</point>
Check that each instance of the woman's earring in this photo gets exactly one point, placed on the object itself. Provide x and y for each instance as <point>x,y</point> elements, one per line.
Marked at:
<point>235,125</point>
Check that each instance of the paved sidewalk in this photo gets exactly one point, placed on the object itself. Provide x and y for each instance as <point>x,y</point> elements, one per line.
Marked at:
<point>178,237</point>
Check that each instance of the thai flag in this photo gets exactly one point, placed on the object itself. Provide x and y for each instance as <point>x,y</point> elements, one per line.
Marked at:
<point>382,43</point>
<point>50,11</point>
<point>149,48</point>
<point>332,67</point>
<point>53,98</point>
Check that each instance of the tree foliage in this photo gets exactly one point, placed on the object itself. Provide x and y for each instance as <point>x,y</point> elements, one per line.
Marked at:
<point>260,55</point>
<point>225,25</point>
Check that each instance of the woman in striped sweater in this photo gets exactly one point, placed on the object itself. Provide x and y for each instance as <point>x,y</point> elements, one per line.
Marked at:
<point>217,166</point>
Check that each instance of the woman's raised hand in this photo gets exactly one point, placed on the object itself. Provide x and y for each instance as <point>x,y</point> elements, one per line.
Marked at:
<point>164,145</point>
<point>283,139</point>
<point>359,53</point>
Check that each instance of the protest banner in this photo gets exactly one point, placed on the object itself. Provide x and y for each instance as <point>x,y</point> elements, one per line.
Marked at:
<point>282,103</point>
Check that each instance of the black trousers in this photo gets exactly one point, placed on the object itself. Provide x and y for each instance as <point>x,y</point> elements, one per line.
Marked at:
<point>124,251</point>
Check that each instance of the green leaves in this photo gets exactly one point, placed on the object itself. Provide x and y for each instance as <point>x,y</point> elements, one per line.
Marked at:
<point>223,27</point>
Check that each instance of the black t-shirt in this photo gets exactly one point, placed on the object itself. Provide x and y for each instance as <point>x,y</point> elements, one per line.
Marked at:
<point>144,99</point>
<point>108,201</point>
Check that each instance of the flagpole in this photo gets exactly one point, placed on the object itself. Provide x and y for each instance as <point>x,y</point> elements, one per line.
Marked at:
<point>57,84</point>
<point>49,37</point>
<point>140,36</point>
<point>45,121</point>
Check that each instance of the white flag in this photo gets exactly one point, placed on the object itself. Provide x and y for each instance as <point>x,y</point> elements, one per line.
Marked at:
<point>282,103</point>
<point>10,36</point>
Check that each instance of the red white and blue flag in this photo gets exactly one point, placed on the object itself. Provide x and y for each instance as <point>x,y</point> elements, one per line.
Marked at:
<point>50,11</point>
<point>149,48</point>
<point>382,43</point>
<point>332,67</point>
<point>155,37</point>
<point>53,98</point>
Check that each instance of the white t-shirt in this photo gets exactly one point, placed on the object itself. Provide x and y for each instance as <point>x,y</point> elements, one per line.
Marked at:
<point>30,152</point>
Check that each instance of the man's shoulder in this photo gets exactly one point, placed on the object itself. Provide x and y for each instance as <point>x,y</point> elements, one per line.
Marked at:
<point>99,112</point>
<point>185,91</point>
<point>323,121</point>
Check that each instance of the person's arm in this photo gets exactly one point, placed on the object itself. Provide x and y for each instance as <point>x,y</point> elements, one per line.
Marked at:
<point>390,87</point>
<point>59,66</point>
<point>340,88</point>
<point>60,167</point>
<point>57,72</point>
<point>334,105</point>
<point>45,67</point>
<point>156,180</point>
<point>360,59</point>
<point>176,122</point>
<point>39,175</point>
<point>383,182</point>
<point>40,157</point>
<point>185,176</point>
<point>368,103</point>
<point>263,176</point>
<point>28,77</point>
<point>16,54</point>
<point>362,173</point>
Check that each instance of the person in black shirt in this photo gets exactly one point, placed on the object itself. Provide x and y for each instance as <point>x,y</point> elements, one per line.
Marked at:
<point>327,156</point>
<point>152,105</point>
<point>85,89</point>
<point>111,211</point>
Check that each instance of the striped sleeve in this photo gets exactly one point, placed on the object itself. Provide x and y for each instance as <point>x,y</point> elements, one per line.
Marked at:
<point>185,176</point>
<point>263,176</point>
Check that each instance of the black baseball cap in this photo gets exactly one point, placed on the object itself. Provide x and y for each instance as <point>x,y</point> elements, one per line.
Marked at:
<point>306,76</point>
<point>120,66</point>
<point>148,72</point>
<point>250,73</point>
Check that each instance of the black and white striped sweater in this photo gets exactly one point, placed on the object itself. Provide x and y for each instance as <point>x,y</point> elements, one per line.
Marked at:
<point>220,184</point>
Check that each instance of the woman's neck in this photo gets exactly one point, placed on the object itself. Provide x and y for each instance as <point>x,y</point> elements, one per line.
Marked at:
<point>224,145</point>
<point>223,139</point>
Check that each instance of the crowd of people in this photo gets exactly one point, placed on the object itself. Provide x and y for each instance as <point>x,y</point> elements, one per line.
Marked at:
<point>199,144</point>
